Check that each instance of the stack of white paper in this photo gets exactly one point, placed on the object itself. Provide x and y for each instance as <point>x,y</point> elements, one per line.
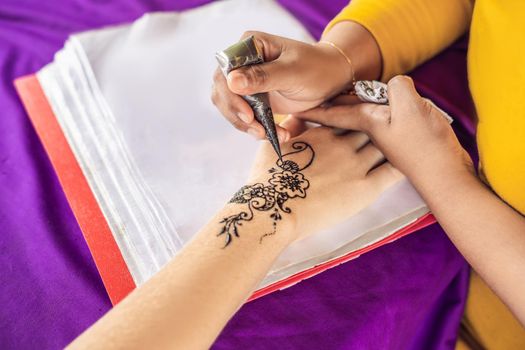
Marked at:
<point>134,104</point>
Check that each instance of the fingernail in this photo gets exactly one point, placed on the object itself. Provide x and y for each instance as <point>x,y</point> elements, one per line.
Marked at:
<point>243,117</point>
<point>253,132</point>
<point>238,80</point>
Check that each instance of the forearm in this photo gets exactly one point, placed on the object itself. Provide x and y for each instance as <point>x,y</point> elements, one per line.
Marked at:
<point>360,46</point>
<point>186,305</point>
<point>190,300</point>
<point>489,233</point>
<point>408,32</point>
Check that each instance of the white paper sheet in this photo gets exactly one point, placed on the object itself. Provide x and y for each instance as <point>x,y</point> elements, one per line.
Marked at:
<point>135,104</point>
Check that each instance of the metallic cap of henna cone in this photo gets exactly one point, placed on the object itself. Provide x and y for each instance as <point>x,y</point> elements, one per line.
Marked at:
<point>377,92</point>
<point>245,53</point>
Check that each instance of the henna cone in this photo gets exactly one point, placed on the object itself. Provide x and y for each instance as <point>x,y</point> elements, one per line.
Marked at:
<point>245,53</point>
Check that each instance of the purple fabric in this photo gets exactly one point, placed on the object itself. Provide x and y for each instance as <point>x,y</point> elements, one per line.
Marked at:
<point>409,294</point>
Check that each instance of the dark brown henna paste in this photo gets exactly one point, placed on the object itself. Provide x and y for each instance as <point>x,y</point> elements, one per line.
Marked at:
<point>287,181</point>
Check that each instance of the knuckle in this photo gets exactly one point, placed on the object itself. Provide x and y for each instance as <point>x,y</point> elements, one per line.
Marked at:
<point>364,122</point>
<point>249,33</point>
<point>426,108</point>
<point>379,112</point>
<point>399,80</point>
<point>257,75</point>
<point>380,116</point>
<point>369,117</point>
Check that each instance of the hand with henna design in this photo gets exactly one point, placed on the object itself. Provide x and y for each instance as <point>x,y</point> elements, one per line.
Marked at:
<point>287,182</point>
<point>324,178</point>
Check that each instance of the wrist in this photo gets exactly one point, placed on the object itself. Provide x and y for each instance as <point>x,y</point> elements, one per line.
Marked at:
<point>438,182</point>
<point>360,46</point>
<point>340,67</point>
<point>253,218</point>
<point>439,167</point>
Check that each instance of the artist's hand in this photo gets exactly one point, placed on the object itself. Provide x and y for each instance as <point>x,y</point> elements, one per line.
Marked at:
<point>297,75</point>
<point>411,133</point>
<point>342,178</point>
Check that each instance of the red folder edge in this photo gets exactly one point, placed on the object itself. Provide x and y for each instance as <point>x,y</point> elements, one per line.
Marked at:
<point>105,251</point>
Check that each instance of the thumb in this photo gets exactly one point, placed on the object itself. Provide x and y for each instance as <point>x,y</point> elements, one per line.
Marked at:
<point>259,78</point>
<point>264,77</point>
<point>270,45</point>
<point>403,97</point>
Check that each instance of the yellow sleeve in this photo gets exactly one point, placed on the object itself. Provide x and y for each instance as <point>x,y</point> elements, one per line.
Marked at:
<point>408,32</point>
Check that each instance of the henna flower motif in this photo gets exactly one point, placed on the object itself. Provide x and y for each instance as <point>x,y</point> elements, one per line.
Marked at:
<point>293,184</point>
<point>286,182</point>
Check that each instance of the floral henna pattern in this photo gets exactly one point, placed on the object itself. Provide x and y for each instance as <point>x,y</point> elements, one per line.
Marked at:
<point>291,184</point>
<point>286,182</point>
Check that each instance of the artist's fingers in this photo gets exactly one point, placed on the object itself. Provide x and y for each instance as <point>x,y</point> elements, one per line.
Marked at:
<point>256,130</point>
<point>357,139</point>
<point>264,77</point>
<point>334,116</point>
<point>344,99</point>
<point>294,126</point>
<point>384,176</point>
<point>234,108</point>
<point>274,74</point>
<point>371,156</point>
<point>361,117</point>
<point>404,100</point>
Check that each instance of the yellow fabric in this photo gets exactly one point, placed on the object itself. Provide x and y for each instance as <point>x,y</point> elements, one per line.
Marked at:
<point>496,67</point>
<point>410,31</point>
<point>461,345</point>
<point>494,325</point>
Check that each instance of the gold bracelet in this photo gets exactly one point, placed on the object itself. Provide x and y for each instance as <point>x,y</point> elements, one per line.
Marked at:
<point>329,43</point>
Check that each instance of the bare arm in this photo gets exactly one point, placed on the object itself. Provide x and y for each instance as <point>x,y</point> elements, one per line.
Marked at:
<point>489,233</point>
<point>186,305</point>
<point>382,38</point>
<point>297,75</point>
<point>408,32</point>
<point>418,141</point>
<point>189,301</point>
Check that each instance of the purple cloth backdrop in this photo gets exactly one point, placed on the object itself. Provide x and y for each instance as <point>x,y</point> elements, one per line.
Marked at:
<point>407,295</point>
